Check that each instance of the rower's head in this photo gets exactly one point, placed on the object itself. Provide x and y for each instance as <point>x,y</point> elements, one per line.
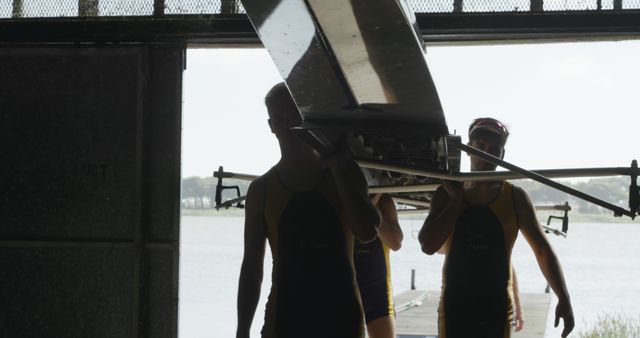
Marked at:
<point>489,135</point>
<point>283,112</point>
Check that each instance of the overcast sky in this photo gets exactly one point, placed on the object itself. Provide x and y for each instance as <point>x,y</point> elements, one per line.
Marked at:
<point>567,105</point>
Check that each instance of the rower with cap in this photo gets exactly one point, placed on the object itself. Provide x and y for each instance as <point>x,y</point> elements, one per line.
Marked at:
<point>475,224</point>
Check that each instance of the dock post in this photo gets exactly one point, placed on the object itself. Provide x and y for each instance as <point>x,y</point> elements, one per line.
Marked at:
<point>413,279</point>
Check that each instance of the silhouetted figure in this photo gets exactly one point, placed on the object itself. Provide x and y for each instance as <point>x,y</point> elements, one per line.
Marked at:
<point>476,224</point>
<point>311,210</point>
<point>374,270</point>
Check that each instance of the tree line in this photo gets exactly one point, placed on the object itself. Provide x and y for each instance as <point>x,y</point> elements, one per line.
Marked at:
<point>199,192</point>
<point>614,190</point>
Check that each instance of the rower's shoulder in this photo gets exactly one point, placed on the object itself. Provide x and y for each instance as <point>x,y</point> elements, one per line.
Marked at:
<point>257,191</point>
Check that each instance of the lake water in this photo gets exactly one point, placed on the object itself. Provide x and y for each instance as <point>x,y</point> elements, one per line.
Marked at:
<point>601,263</point>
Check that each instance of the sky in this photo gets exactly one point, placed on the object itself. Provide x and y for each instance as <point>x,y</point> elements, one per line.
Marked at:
<point>567,105</point>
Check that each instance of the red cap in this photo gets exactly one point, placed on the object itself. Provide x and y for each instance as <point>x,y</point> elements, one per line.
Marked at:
<point>491,125</point>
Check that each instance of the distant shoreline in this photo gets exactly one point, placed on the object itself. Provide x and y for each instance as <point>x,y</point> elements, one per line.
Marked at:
<point>574,217</point>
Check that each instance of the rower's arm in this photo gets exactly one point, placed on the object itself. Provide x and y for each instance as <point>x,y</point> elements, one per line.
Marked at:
<point>389,231</point>
<point>547,259</point>
<point>519,316</point>
<point>361,216</point>
<point>251,271</point>
<point>446,207</point>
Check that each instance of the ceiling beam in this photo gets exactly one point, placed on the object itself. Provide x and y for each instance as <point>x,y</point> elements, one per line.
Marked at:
<point>223,30</point>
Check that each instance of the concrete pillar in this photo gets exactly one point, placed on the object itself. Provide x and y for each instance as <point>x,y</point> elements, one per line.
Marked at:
<point>158,8</point>
<point>537,5</point>
<point>90,198</point>
<point>88,7</point>
<point>617,5</point>
<point>17,9</point>
<point>228,6</point>
<point>457,6</point>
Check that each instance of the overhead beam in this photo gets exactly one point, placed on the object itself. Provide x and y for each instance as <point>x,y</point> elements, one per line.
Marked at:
<point>235,29</point>
<point>208,29</point>
<point>529,27</point>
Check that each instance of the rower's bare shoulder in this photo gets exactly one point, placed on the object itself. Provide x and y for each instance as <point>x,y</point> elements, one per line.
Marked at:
<point>521,198</point>
<point>256,194</point>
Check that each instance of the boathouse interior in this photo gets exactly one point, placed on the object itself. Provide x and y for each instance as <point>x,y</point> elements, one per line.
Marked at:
<point>90,113</point>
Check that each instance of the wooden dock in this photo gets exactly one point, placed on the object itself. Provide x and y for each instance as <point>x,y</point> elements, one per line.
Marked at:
<point>420,320</point>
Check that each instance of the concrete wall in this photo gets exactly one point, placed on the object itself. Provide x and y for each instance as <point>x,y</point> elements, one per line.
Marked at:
<point>89,191</point>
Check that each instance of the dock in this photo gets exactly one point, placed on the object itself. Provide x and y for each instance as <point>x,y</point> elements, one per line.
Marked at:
<point>417,314</point>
